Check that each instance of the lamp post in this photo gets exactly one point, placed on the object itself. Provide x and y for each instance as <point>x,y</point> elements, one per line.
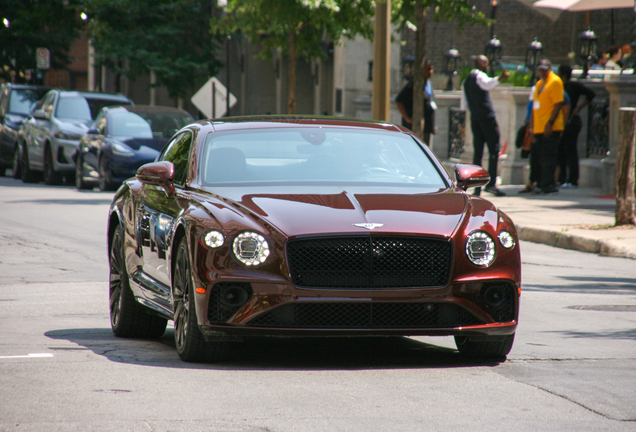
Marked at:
<point>586,50</point>
<point>493,53</point>
<point>493,11</point>
<point>451,66</point>
<point>534,53</point>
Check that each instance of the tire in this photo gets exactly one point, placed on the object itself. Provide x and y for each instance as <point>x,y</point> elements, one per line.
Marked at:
<point>17,162</point>
<point>28,175</point>
<point>189,341</point>
<point>51,177</point>
<point>128,318</point>
<point>80,184</point>
<point>484,347</point>
<point>105,184</point>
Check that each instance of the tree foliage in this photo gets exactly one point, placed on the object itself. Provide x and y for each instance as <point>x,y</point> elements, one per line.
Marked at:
<point>26,25</point>
<point>169,37</point>
<point>299,28</point>
<point>413,13</point>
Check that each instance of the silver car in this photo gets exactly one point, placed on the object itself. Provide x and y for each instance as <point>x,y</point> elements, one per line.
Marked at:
<point>53,132</point>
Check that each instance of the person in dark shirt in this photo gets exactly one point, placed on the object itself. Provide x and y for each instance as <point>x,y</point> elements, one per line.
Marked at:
<point>568,157</point>
<point>404,103</point>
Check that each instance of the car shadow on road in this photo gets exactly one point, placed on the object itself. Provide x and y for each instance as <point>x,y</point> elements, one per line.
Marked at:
<point>334,353</point>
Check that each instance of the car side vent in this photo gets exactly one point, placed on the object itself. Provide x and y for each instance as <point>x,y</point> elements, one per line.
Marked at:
<point>226,299</point>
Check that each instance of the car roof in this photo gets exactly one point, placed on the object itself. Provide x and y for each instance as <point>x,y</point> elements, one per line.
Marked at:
<point>92,95</point>
<point>256,122</point>
<point>148,109</point>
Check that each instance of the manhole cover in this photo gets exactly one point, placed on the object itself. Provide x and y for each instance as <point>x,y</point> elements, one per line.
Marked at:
<point>606,308</point>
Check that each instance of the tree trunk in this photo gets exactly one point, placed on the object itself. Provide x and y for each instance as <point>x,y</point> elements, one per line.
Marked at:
<point>418,67</point>
<point>625,154</point>
<point>291,75</point>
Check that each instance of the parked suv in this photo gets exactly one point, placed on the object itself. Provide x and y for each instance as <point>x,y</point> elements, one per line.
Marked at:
<point>52,133</point>
<point>16,102</point>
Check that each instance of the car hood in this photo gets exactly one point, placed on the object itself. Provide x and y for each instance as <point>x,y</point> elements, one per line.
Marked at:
<point>136,143</point>
<point>306,210</point>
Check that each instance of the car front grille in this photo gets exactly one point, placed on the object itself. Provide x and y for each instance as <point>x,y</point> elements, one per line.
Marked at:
<point>368,262</point>
<point>351,315</point>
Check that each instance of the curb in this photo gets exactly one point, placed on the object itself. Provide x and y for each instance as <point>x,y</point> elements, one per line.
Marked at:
<point>566,240</point>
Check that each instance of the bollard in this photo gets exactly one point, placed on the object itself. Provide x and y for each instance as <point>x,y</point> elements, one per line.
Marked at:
<point>625,161</point>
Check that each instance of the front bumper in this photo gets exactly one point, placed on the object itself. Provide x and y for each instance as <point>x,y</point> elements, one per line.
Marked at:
<point>283,310</point>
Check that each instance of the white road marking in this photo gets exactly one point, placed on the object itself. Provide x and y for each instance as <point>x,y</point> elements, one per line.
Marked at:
<point>32,355</point>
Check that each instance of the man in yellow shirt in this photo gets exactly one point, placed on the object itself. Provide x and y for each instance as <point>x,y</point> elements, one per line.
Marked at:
<point>547,124</point>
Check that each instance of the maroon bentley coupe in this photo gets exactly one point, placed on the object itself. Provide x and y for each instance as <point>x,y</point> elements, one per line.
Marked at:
<point>284,226</point>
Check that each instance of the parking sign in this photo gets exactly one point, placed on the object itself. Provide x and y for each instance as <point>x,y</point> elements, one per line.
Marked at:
<point>43,58</point>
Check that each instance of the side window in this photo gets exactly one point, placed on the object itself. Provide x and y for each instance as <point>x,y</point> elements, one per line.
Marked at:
<point>49,103</point>
<point>178,152</point>
<point>100,123</point>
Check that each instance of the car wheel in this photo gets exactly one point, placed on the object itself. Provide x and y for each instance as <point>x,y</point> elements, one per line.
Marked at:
<point>484,346</point>
<point>105,184</point>
<point>80,184</point>
<point>28,175</point>
<point>189,341</point>
<point>51,177</point>
<point>127,317</point>
<point>17,162</point>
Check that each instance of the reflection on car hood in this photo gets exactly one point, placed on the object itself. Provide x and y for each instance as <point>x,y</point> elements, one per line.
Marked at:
<point>78,126</point>
<point>136,143</point>
<point>298,211</point>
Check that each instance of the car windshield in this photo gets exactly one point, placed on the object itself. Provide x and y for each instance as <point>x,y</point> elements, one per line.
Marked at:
<point>81,108</point>
<point>22,100</point>
<point>313,154</point>
<point>127,124</point>
<point>164,124</point>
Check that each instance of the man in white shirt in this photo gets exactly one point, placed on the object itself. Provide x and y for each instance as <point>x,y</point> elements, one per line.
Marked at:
<point>483,122</point>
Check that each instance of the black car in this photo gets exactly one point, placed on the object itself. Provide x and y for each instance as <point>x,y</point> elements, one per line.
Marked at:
<point>16,102</point>
<point>123,139</point>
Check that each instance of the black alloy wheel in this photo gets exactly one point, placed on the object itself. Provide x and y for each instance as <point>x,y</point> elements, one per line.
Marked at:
<point>80,184</point>
<point>17,162</point>
<point>105,183</point>
<point>28,175</point>
<point>51,177</point>
<point>127,317</point>
<point>484,347</point>
<point>189,341</point>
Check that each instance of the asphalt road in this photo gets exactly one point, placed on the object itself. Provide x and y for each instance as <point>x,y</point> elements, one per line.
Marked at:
<point>572,368</point>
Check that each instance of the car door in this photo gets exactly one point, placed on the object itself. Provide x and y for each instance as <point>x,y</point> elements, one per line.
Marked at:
<point>158,212</point>
<point>36,131</point>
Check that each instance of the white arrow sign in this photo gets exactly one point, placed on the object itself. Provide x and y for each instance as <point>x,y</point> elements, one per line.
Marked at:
<point>203,100</point>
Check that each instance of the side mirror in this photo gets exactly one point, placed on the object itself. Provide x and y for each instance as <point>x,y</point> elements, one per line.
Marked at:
<point>40,114</point>
<point>158,174</point>
<point>92,131</point>
<point>471,176</point>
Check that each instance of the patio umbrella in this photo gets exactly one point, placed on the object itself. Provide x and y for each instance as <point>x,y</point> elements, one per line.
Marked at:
<point>584,5</point>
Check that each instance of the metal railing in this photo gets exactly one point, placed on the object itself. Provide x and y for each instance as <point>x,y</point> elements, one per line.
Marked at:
<point>456,132</point>
<point>597,129</point>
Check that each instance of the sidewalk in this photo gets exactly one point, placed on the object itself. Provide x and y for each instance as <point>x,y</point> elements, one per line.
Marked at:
<point>576,218</point>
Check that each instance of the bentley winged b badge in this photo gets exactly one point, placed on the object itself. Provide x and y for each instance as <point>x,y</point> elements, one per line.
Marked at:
<point>368,226</point>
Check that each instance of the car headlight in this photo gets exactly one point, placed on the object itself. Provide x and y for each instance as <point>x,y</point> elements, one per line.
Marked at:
<point>214,239</point>
<point>506,239</point>
<point>66,135</point>
<point>480,248</point>
<point>122,150</point>
<point>250,248</point>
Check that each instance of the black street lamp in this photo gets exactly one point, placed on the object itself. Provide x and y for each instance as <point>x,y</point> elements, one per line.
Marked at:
<point>493,11</point>
<point>534,53</point>
<point>493,53</point>
<point>451,66</point>
<point>586,50</point>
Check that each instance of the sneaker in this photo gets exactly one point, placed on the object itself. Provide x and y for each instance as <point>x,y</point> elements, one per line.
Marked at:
<point>536,191</point>
<point>566,185</point>
<point>493,190</point>
<point>551,191</point>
